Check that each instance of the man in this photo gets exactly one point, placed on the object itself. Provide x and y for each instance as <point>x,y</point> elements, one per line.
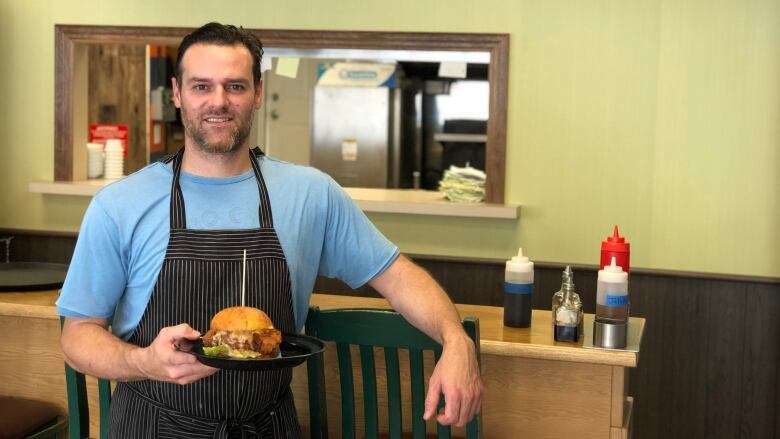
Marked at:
<point>157,270</point>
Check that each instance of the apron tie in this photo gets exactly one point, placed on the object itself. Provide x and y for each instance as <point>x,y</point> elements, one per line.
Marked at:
<point>245,427</point>
<point>259,425</point>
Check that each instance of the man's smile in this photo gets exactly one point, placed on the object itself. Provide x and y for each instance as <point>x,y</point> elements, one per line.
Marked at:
<point>217,121</point>
<point>218,118</point>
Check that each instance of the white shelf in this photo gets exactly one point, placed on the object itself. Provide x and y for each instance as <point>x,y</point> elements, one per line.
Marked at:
<point>404,201</point>
<point>83,188</point>
<point>426,203</point>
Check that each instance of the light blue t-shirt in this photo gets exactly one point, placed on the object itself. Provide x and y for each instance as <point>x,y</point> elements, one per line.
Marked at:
<point>124,235</point>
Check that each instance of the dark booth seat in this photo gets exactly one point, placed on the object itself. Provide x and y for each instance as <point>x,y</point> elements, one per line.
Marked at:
<point>31,276</point>
<point>25,418</point>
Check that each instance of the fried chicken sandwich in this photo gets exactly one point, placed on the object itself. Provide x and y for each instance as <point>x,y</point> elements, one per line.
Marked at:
<point>242,332</point>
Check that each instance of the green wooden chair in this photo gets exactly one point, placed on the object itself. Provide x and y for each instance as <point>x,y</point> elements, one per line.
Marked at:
<point>369,328</point>
<point>78,409</point>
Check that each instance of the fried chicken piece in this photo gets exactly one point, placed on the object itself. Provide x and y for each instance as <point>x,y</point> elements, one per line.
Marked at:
<point>267,341</point>
<point>208,338</point>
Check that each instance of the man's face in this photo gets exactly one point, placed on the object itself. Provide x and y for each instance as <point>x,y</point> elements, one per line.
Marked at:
<point>217,97</point>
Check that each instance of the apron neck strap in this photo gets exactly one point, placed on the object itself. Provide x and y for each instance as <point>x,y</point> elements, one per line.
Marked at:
<point>178,218</point>
<point>266,218</point>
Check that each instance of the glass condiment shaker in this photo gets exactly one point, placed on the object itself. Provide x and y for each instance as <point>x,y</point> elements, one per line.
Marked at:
<point>567,310</point>
<point>557,299</point>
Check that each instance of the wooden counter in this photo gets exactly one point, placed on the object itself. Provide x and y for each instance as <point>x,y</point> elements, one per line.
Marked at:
<point>530,379</point>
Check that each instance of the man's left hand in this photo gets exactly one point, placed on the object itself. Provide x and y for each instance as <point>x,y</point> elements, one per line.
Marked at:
<point>457,376</point>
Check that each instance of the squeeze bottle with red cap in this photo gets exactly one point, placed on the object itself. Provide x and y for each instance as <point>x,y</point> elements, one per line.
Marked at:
<point>615,246</point>
<point>518,286</point>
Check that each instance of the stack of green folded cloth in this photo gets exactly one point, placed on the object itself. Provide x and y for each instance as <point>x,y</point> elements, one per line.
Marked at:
<point>463,185</point>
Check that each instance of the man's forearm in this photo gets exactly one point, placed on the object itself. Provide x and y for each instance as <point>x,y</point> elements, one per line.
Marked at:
<point>415,294</point>
<point>89,348</point>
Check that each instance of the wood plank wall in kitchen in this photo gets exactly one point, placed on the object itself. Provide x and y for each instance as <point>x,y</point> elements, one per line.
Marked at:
<point>117,84</point>
<point>710,354</point>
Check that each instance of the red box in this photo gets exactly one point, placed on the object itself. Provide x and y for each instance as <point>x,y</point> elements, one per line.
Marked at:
<point>100,132</point>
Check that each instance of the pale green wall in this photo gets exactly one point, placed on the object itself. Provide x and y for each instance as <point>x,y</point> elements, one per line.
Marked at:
<point>661,116</point>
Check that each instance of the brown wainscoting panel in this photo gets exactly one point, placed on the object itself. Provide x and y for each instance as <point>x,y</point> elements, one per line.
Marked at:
<point>38,246</point>
<point>725,355</point>
<point>761,359</point>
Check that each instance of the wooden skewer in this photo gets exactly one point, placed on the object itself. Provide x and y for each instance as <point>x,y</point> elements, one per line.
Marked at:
<point>243,280</point>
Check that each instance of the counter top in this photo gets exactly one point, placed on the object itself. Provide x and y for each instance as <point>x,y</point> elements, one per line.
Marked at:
<point>405,201</point>
<point>496,339</point>
<point>534,342</point>
<point>37,304</point>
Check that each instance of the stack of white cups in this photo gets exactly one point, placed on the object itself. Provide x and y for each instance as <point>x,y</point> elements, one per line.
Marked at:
<point>115,156</point>
<point>94,160</point>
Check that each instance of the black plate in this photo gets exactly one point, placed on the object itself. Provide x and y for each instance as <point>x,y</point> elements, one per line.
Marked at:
<point>295,349</point>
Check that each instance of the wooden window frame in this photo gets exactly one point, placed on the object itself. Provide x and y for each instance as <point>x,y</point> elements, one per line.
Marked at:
<point>70,41</point>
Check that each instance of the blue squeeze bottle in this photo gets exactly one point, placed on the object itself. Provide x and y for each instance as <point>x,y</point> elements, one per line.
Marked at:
<point>518,290</point>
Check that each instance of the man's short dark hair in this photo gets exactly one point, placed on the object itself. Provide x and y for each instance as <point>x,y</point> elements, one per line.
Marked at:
<point>222,35</point>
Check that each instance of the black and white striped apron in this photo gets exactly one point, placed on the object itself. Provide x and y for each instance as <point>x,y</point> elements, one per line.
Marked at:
<point>201,274</point>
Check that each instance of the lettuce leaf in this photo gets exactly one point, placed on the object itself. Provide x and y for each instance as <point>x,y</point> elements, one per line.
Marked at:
<point>238,353</point>
<point>223,350</point>
<point>220,350</point>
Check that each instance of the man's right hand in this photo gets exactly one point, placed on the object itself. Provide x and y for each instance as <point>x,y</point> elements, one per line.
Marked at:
<point>90,348</point>
<point>162,361</point>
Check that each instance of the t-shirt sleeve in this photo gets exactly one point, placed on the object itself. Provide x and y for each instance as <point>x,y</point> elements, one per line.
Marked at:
<point>97,273</point>
<point>354,251</point>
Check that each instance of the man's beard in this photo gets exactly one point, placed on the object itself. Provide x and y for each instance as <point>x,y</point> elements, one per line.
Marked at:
<point>199,135</point>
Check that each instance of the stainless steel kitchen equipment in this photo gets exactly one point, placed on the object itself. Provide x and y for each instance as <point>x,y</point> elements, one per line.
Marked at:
<point>356,134</point>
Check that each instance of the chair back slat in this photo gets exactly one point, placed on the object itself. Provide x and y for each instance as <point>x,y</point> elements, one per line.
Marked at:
<point>368,328</point>
<point>78,408</point>
<point>443,431</point>
<point>347,391</point>
<point>315,368</point>
<point>471,326</point>
<point>393,371</point>
<point>417,378</point>
<point>318,409</point>
<point>370,409</point>
<point>104,396</point>
<point>472,430</point>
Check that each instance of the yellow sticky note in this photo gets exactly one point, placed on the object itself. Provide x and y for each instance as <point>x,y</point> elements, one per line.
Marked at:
<point>287,67</point>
